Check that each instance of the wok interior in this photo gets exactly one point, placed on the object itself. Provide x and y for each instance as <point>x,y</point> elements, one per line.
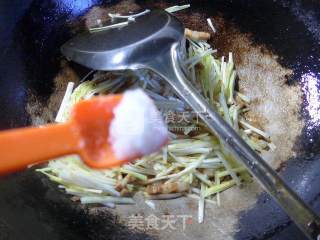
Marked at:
<point>270,66</point>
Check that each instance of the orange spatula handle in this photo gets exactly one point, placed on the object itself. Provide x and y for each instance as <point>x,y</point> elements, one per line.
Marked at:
<point>22,147</point>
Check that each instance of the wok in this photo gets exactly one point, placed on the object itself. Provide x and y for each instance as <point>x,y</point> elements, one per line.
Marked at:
<point>280,42</point>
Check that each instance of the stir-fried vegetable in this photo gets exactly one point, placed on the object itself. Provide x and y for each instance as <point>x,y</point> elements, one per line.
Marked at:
<point>177,8</point>
<point>194,163</point>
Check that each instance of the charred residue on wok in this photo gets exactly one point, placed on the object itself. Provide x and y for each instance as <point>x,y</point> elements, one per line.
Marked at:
<point>291,30</point>
<point>275,105</point>
<point>42,113</point>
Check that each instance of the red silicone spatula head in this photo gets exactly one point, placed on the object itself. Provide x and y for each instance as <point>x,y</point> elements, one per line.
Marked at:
<point>92,118</point>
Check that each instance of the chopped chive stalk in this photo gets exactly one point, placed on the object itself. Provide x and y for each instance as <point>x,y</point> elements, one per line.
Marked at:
<point>235,118</point>
<point>217,183</point>
<point>243,97</point>
<point>196,59</point>
<point>135,174</point>
<point>177,8</point>
<point>272,146</point>
<point>190,168</point>
<point>129,17</point>
<point>106,199</point>
<point>65,103</point>
<point>203,178</point>
<point>254,129</point>
<point>223,103</point>
<point>209,21</point>
<point>201,203</point>
<point>116,25</point>
<point>229,169</point>
<point>231,87</point>
<point>219,188</point>
<point>197,197</point>
<point>190,178</point>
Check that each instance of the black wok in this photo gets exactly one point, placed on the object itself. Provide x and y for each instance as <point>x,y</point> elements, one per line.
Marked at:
<point>31,33</point>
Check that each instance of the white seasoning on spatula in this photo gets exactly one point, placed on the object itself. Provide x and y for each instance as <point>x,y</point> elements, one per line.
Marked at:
<point>137,128</point>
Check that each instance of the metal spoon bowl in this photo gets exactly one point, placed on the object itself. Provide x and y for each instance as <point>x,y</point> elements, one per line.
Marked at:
<point>130,47</point>
<point>156,41</point>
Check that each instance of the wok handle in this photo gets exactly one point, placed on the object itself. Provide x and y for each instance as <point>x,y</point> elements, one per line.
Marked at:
<point>25,146</point>
<point>168,67</point>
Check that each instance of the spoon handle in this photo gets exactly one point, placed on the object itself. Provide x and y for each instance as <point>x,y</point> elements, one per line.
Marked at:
<point>25,146</point>
<point>299,212</point>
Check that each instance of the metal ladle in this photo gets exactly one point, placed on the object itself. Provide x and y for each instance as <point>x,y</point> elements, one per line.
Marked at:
<point>155,41</point>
